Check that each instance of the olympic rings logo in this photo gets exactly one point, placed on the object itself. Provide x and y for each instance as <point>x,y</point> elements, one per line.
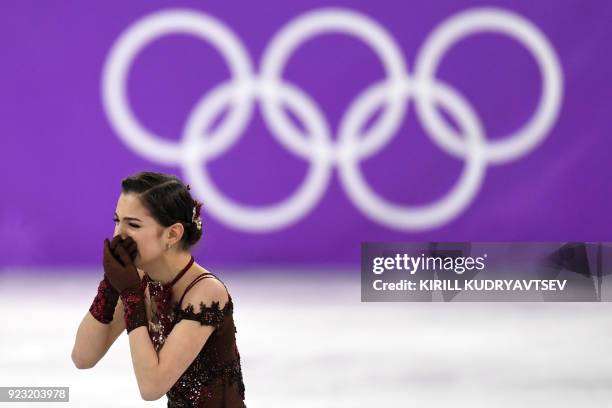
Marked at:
<point>267,86</point>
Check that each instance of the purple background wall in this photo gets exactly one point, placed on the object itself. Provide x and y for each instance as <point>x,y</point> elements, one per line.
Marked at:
<point>62,161</point>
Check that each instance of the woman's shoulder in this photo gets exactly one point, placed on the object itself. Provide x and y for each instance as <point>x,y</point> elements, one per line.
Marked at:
<point>207,289</point>
<point>206,301</point>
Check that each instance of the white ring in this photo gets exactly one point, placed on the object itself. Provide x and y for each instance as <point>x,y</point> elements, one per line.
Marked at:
<point>511,24</point>
<point>311,24</point>
<point>260,219</point>
<point>412,217</point>
<point>131,42</point>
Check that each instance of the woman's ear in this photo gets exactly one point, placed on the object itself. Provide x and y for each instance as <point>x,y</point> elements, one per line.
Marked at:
<point>175,233</point>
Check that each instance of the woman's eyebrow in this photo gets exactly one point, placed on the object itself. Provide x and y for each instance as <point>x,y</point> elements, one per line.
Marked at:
<point>129,218</point>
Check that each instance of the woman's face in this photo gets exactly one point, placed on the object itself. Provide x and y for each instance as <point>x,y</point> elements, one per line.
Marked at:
<point>132,219</point>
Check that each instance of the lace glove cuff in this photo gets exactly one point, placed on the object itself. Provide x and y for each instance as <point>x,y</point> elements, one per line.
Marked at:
<point>103,305</point>
<point>134,305</point>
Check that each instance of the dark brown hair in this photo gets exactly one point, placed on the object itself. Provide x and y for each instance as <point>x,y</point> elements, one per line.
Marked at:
<point>168,200</point>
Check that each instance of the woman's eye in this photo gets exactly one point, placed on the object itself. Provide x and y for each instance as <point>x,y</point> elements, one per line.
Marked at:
<point>131,225</point>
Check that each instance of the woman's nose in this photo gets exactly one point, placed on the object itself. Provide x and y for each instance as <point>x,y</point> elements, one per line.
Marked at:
<point>119,230</point>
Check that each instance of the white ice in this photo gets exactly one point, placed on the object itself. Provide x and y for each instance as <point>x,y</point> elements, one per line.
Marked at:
<point>306,340</point>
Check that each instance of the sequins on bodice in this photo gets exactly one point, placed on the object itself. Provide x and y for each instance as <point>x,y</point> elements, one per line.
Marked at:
<point>162,311</point>
<point>214,378</point>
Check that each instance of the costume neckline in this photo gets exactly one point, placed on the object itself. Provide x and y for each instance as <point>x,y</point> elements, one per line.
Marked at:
<point>178,276</point>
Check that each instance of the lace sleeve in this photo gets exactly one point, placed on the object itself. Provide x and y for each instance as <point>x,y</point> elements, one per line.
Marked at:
<point>211,315</point>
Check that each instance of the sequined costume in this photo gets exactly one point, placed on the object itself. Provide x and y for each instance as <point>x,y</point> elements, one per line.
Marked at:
<point>214,379</point>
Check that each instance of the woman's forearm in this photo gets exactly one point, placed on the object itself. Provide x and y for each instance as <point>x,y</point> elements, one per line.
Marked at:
<point>93,338</point>
<point>146,363</point>
<point>91,342</point>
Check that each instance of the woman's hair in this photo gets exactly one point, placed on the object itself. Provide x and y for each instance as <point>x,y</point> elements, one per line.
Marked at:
<point>168,200</point>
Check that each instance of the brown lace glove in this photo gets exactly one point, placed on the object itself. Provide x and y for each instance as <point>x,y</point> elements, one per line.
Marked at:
<point>120,269</point>
<point>124,278</point>
<point>103,306</point>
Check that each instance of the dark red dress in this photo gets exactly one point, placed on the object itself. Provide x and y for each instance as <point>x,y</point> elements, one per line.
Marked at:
<point>214,379</point>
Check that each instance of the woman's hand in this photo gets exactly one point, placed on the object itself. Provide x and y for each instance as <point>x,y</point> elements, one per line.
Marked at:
<point>123,276</point>
<point>103,306</point>
<point>119,267</point>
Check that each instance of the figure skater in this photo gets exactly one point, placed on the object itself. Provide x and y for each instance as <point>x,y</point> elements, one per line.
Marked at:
<point>153,288</point>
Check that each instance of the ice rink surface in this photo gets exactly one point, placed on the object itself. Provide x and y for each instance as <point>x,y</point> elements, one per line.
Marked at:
<point>306,340</point>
